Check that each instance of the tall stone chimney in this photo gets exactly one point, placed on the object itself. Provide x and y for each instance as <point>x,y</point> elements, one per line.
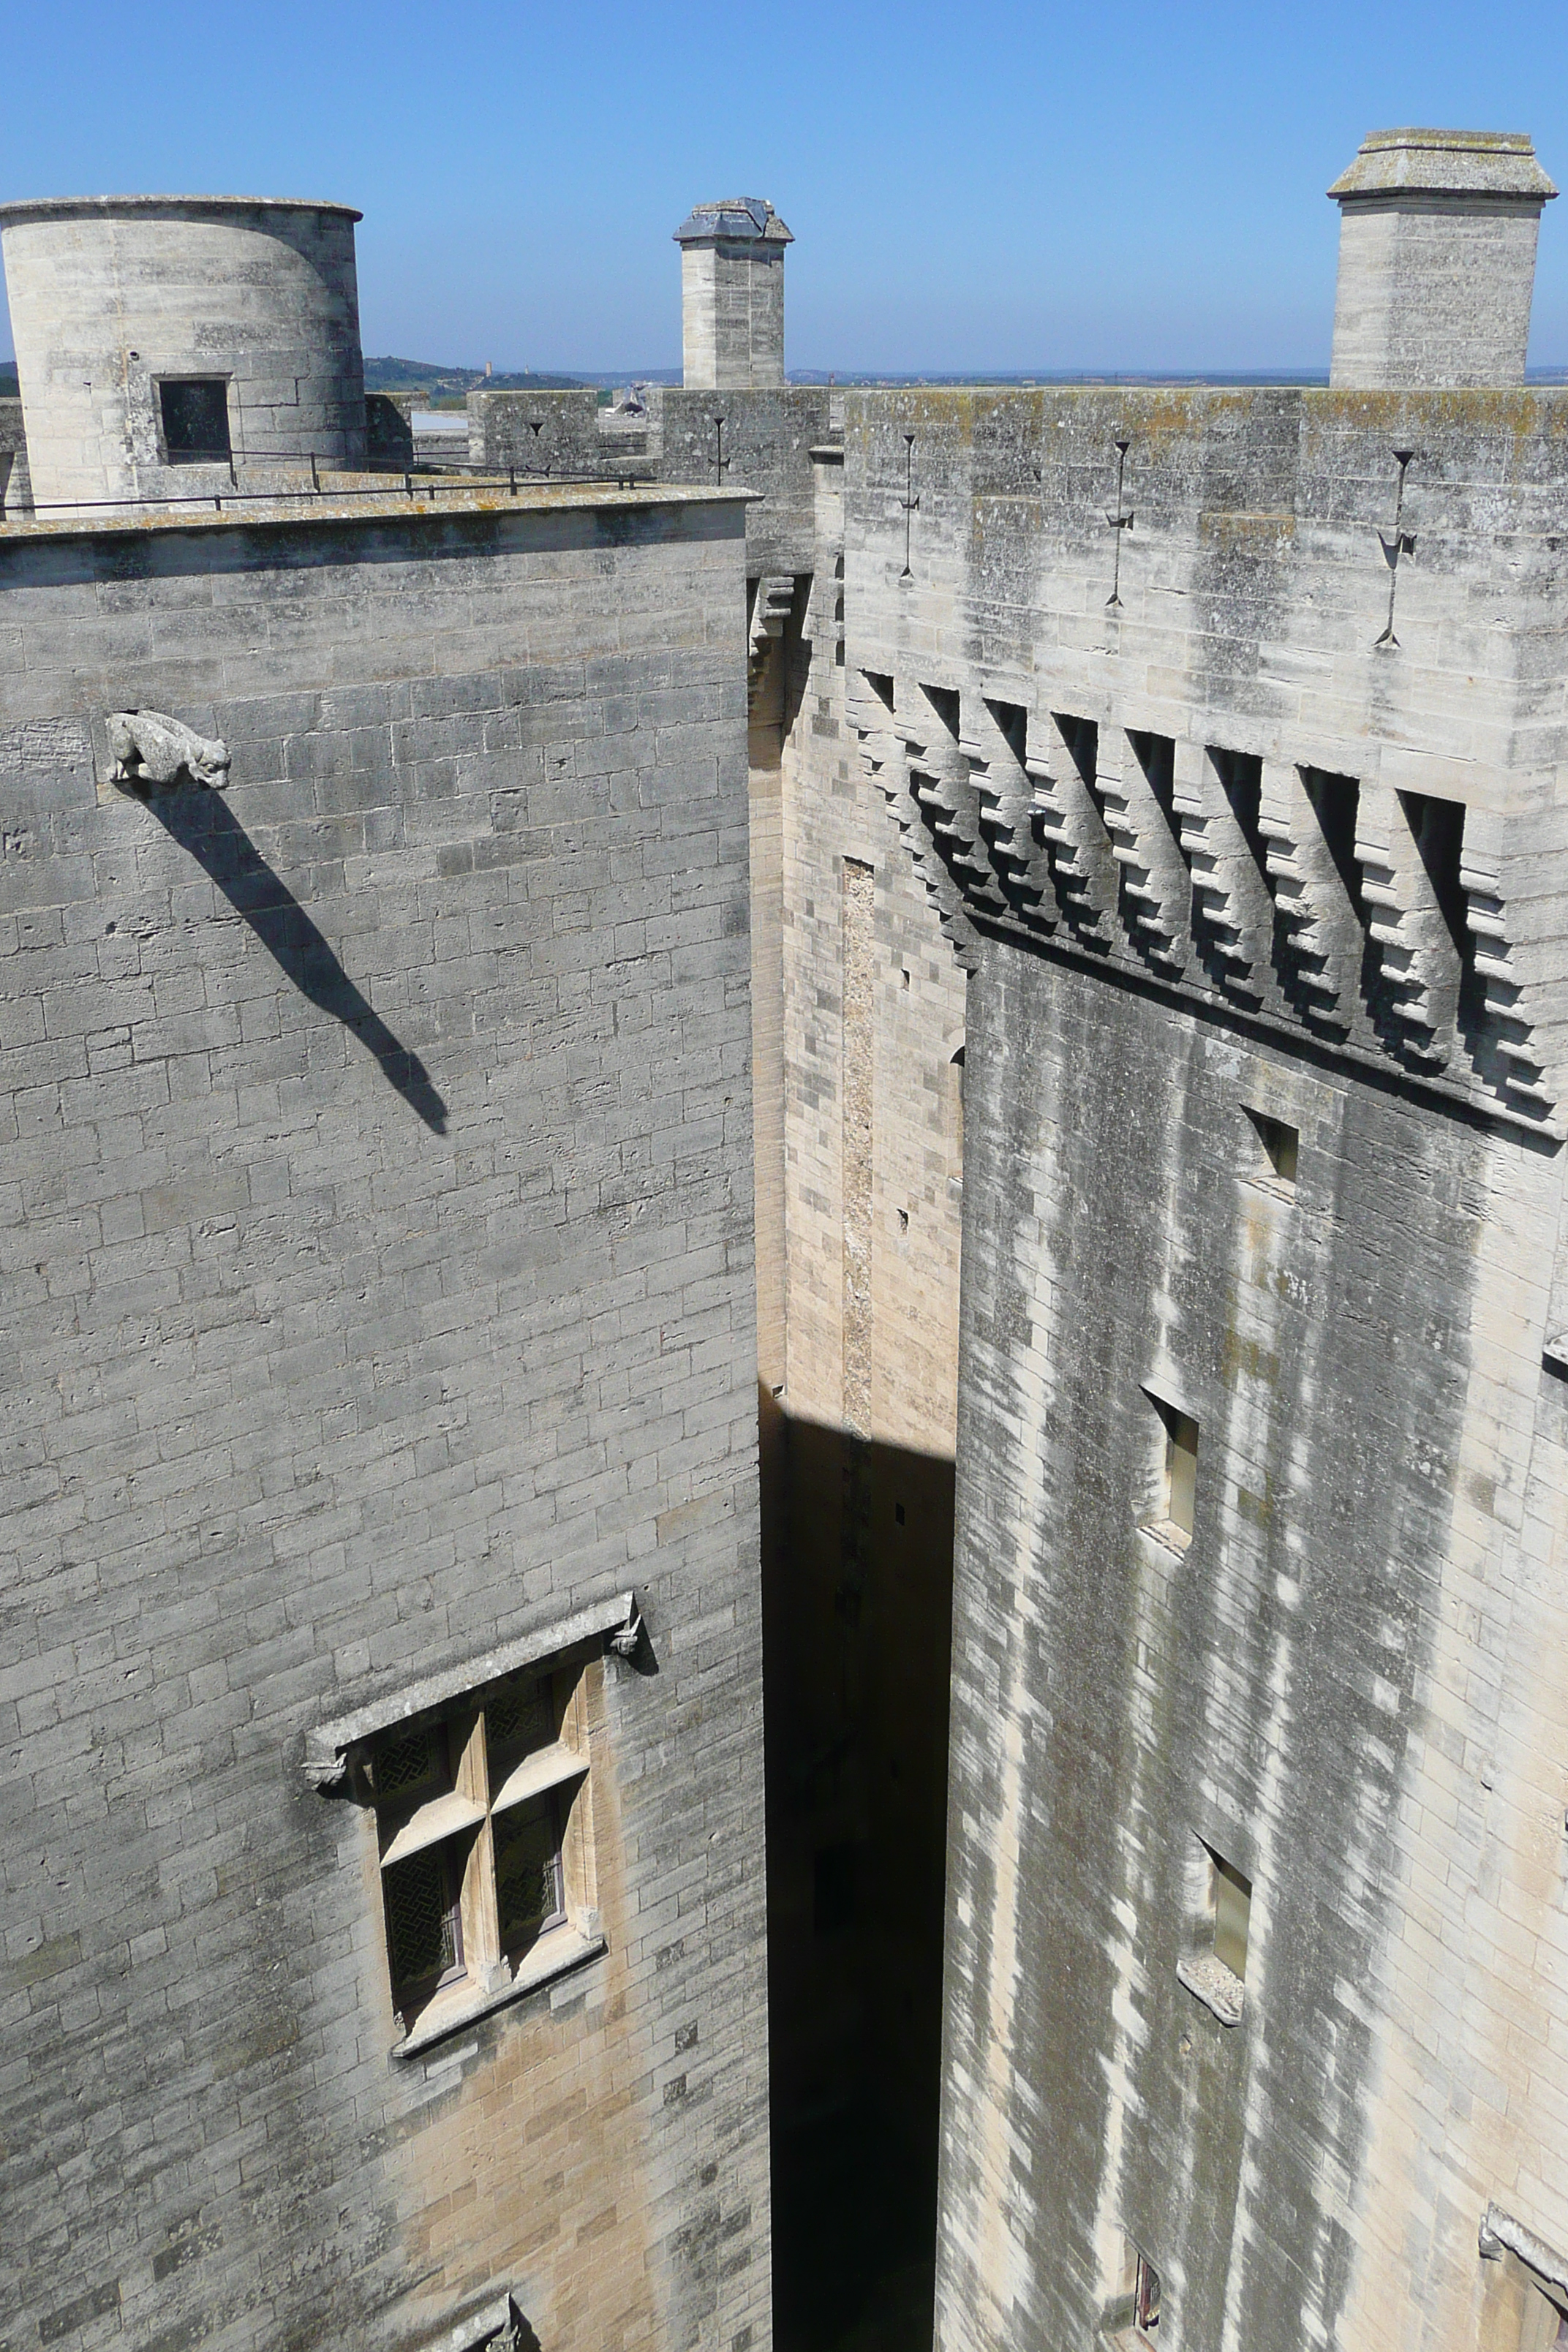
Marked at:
<point>731,295</point>
<point>1436,258</point>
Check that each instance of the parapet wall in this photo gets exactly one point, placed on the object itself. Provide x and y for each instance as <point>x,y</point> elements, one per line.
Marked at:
<point>764,445</point>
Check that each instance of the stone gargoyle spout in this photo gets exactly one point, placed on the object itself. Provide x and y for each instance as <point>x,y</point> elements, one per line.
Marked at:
<point>147,747</point>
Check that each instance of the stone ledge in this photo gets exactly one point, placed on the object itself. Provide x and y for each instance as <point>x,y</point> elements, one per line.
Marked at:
<point>556,1954</point>
<point>1208,1980</point>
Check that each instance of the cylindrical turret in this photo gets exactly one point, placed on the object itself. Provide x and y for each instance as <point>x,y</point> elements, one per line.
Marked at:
<point>1436,258</point>
<point>165,343</point>
<point>731,295</point>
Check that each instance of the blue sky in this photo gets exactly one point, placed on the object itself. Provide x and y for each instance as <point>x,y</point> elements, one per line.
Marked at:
<point>971,187</point>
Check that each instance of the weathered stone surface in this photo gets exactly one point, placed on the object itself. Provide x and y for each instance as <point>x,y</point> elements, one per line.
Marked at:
<point>731,296</point>
<point>1438,232</point>
<point>378,1265</point>
<point>1226,859</point>
<point>763,445</point>
<point>111,296</point>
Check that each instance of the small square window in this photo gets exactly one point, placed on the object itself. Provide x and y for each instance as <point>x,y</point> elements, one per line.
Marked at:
<point>194,415</point>
<point>1278,1145</point>
<point>1176,1483</point>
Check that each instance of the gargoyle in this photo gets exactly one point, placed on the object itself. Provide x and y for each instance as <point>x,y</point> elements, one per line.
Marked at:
<point>147,747</point>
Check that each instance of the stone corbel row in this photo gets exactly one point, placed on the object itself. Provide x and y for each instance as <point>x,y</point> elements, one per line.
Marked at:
<point>1382,922</point>
<point>886,761</point>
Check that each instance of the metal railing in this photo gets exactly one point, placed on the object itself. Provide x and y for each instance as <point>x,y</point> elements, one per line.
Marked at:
<point>411,482</point>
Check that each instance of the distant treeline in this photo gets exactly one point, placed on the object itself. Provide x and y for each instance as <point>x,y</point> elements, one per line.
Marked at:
<point>448,387</point>
<point>9,388</point>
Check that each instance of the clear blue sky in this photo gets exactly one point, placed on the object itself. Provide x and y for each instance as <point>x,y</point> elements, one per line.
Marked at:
<point>971,187</point>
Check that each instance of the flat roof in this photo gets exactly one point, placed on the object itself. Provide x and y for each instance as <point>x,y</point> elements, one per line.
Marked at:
<point>31,208</point>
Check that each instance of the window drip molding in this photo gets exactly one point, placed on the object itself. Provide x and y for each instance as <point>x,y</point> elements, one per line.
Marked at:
<point>1501,2234</point>
<point>496,2326</point>
<point>330,1745</point>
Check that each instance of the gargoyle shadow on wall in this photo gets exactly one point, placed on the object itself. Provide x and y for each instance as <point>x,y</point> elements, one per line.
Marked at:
<point>205,825</point>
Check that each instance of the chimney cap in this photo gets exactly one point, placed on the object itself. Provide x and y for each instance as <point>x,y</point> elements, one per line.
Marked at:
<point>733,217</point>
<point>1446,162</point>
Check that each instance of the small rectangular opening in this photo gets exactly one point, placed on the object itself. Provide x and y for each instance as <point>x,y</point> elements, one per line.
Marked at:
<point>1241,778</point>
<point>1156,755</point>
<point>194,411</point>
<point>1081,738</point>
<point>881,685</point>
<point>1335,801</point>
<point>1230,1904</point>
<point>1178,1479</point>
<point>1439,827</point>
<point>1131,2313</point>
<point>1280,1145</point>
<point>424,1899</point>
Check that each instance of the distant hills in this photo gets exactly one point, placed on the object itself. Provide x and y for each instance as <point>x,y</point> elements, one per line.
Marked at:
<point>448,387</point>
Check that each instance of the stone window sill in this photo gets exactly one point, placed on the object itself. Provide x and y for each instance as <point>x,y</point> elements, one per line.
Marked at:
<point>1166,1534</point>
<point>1208,1980</point>
<point>557,1952</point>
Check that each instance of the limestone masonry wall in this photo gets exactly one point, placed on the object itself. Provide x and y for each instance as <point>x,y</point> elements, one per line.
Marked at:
<point>1012,978</point>
<point>377,1217</point>
<point>1255,843</point>
<point>764,447</point>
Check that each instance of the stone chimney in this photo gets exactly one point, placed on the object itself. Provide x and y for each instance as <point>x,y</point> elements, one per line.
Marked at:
<point>1436,258</point>
<point>731,295</point>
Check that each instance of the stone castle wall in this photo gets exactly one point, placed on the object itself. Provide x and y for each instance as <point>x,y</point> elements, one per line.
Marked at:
<point>764,447</point>
<point>378,1250</point>
<point>1226,863</point>
<point>1154,818</point>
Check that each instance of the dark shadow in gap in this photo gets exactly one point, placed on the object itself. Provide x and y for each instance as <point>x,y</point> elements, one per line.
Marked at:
<point>858,1607</point>
<point>203,823</point>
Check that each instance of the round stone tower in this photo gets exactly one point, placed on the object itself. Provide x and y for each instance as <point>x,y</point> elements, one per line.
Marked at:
<point>167,346</point>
